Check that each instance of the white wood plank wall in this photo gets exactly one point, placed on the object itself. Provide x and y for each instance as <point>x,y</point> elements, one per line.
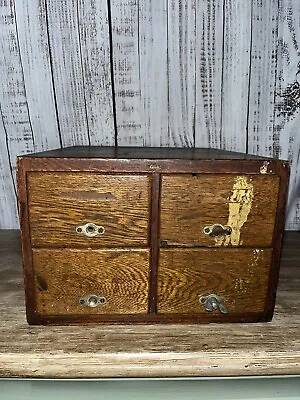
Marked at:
<point>205,73</point>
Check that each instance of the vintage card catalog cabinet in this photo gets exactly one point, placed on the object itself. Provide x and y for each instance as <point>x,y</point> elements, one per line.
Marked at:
<point>150,235</point>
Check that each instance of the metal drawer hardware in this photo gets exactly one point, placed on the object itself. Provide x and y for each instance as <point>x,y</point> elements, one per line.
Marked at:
<point>92,300</point>
<point>90,229</point>
<point>217,230</point>
<point>213,302</point>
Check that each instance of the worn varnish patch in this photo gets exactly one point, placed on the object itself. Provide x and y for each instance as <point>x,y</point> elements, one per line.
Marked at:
<point>239,208</point>
<point>247,203</point>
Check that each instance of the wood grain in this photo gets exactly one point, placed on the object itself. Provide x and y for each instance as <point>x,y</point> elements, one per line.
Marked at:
<point>235,74</point>
<point>31,20</point>
<point>190,203</point>
<point>287,102</point>
<point>8,209</point>
<point>58,203</point>
<point>64,42</point>
<point>147,350</point>
<point>95,52</point>
<point>239,276</point>
<point>209,50</point>
<point>182,72</point>
<point>263,77</point>
<point>62,277</point>
<point>153,71</point>
<point>13,100</point>
<point>126,64</point>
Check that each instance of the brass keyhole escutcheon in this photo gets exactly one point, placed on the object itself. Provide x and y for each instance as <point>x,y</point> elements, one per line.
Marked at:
<point>217,230</point>
<point>92,300</point>
<point>90,229</point>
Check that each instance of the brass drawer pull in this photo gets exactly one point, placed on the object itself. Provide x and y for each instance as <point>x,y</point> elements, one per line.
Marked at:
<point>213,302</point>
<point>90,229</point>
<point>217,230</point>
<point>92,300</point>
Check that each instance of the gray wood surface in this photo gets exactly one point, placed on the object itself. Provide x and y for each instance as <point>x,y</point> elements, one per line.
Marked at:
<point>148,350</point>
<point>220,73</point>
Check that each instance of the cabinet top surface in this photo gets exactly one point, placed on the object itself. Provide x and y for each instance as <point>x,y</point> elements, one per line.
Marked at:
<point>182,350</point>
<point>155,153</point>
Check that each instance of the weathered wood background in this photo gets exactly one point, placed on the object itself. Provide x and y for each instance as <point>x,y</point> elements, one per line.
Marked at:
<point>206,73</point>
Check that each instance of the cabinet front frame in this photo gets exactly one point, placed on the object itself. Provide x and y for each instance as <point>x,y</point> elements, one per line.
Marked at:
<point>156,168</point>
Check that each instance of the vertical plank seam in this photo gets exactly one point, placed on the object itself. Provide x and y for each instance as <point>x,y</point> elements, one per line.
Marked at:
<point>112,74</point>
<point>139,67</point>
<point>168,74</point>
<point>52,75</point>
<point>8,153</point>
<point>138,40</point>
<point>275,80</point>
<point>22,71</point>
<point>249,76</point>
<point>195,81</point>
<point>222,74</point>
<point>82,72</point>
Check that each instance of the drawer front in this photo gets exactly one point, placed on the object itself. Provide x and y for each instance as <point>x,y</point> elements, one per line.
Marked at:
<point>238,276</point>
<point>66,278</point>
<point>62,204</point>
<point>218,210</point>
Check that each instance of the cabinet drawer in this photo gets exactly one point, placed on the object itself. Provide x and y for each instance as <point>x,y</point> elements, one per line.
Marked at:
<point>196,207</point>
<point>239,276</point>
<point>64,279</point>
<point>61,204</point>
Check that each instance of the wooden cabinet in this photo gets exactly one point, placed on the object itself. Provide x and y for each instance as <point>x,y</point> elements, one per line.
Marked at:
<point>150,235</point>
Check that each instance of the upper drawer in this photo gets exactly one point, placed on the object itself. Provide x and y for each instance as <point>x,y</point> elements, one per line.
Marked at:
<point>196,208</point>
<point>61,203</point>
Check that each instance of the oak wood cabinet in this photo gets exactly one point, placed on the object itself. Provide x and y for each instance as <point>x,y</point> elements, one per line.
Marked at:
<point>150,235</point>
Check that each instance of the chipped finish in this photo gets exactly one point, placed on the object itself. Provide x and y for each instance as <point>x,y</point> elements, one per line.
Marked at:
<point>246,203</point>
<point>240,204</point>
<point>264,168</point>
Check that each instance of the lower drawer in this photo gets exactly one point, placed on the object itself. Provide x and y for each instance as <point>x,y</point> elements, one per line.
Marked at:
<point>239,277</point>
<point>77,282</point>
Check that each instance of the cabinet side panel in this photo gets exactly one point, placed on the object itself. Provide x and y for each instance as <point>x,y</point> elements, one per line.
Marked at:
<point>25,238</point>
<point>283,172</point>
